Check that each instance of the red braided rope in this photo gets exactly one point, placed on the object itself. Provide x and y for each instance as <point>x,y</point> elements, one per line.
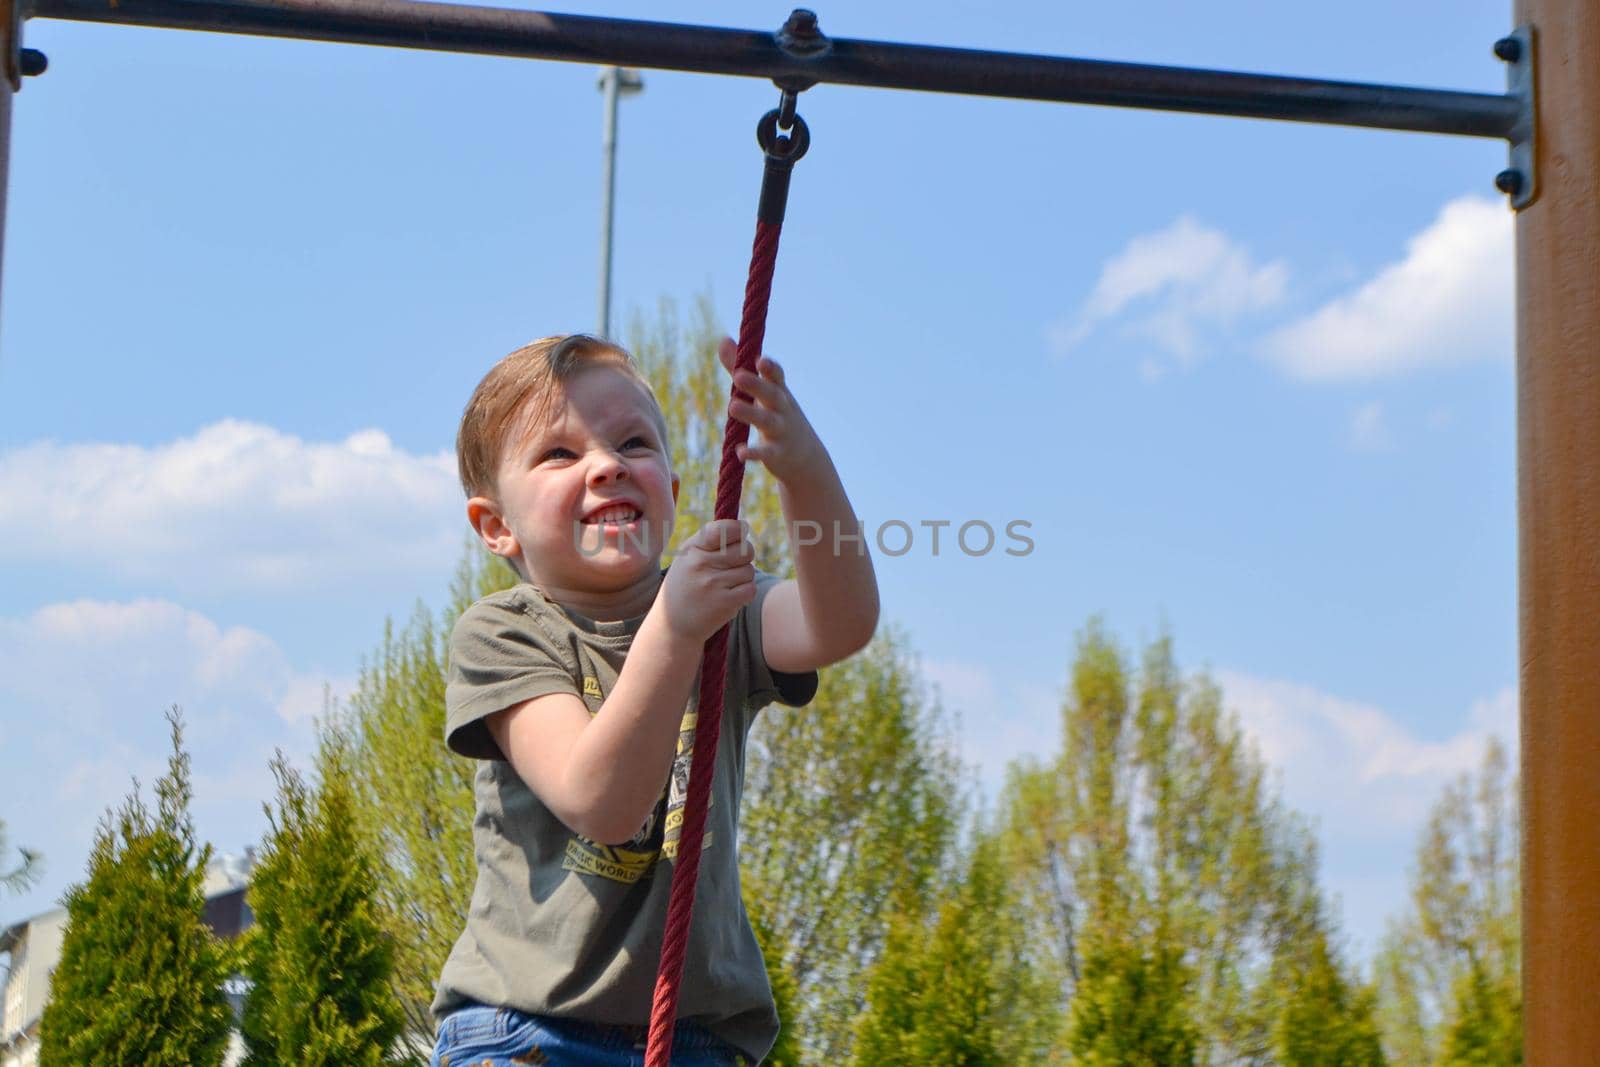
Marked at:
<point>713,674</point>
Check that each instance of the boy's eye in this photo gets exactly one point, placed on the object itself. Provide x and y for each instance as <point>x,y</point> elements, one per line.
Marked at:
<point>635,441</point>
<point>558,453</point>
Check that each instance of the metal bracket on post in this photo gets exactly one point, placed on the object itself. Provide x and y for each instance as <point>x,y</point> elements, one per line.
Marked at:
<point>1519,181</point>
<point>19,62</point>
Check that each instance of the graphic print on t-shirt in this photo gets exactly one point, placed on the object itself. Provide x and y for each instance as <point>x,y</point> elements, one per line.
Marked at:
<point>678,787</point>
<point>629,862</point>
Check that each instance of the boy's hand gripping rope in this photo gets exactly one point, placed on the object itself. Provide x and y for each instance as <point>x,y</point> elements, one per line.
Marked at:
<point>782,150</point>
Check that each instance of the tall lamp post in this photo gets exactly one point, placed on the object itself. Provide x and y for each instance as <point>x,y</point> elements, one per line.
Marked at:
<point>614,82</point>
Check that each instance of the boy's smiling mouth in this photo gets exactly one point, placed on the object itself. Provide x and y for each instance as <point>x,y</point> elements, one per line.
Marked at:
<point>614,513</point>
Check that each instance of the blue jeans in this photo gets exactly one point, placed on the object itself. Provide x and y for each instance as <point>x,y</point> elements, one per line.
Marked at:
<point>480,1036</point>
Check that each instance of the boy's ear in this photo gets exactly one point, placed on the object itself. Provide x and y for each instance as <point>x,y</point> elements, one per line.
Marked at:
<point>490,526</point>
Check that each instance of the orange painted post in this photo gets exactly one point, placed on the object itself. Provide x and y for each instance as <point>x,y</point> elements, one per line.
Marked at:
<point>1558,479</point>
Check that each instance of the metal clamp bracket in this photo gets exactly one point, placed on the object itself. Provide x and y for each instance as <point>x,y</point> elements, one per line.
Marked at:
<point>18,62</point>
<point>1519,181</point>
<point>800,38</point>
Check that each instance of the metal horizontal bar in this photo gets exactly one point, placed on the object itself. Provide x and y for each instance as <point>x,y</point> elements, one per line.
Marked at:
<point>704,49</point>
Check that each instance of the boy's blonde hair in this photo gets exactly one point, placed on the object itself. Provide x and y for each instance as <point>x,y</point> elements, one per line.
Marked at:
<point>516,395</point>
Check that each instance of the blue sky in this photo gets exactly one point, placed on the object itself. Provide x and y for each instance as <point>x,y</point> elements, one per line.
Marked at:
<point>1248,382</point>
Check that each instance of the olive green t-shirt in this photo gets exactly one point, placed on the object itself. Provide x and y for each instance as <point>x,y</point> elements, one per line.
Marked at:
<point>566,926</point>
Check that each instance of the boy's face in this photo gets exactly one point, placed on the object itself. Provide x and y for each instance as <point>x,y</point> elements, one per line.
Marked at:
<point>586,500</point>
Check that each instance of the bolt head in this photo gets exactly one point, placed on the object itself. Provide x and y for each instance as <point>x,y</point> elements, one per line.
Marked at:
<point>1509,181</point>
<point>802,22</point>
<point>32,62</point>
<point>1508,49</point>
<point>801,36</point>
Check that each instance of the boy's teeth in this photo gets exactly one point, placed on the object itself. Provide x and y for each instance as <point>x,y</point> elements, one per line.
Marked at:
<point>620,513</point>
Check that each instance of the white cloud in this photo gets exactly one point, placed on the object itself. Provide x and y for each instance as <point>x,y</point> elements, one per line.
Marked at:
<point>1365,781</point>
<point>97,657</point>
<point>1173,287</point>
<point>1449,301</point>
<point>83,689</point>
<point>306,696</point>
<point>236,505</point>
<point>1353,764</point>
<point>1369,429</point>
<point>996,722</point>
<point>1499,715</point>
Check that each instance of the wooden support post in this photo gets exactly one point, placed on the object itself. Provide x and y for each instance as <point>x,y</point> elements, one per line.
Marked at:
<point>1558,479</point>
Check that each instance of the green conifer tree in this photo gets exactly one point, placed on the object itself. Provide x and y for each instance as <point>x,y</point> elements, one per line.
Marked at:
<point>956,990</point>
<point>1326,1019</point>
<point>786,1050</point>
<point>318,957</point>
<point>1486,1025</point>
<point>1130,1008</point>
<point>413,800</point>
<point>140,977</point>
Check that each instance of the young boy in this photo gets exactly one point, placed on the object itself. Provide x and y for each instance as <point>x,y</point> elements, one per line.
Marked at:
<point>575,689</point>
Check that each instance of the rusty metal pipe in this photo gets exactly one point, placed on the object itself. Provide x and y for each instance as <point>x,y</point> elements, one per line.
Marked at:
<point>670,46</point>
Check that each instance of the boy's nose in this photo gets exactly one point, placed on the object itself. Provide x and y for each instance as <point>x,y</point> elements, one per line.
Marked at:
<point>607,467</point>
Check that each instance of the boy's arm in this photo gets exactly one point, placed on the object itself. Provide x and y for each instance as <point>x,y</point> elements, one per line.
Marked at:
<point>602,775</point>
<point>829,610</point>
